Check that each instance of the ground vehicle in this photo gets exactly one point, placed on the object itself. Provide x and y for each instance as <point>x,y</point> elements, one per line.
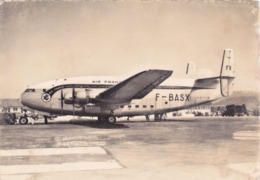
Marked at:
<point>7,118</point>
<point>17,118</point>
<point>235,110</point>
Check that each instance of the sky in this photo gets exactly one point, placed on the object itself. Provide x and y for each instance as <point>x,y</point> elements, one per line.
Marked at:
<point>42,41</point>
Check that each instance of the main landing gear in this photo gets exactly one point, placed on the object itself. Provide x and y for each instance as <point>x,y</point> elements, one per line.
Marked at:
<point>107,119</point>
<point>160,117</point>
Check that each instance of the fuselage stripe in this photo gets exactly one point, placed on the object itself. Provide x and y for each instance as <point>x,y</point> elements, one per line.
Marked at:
<point>106,86</point>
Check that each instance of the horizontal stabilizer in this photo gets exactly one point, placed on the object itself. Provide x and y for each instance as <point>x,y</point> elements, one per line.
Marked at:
<point>207,83</point>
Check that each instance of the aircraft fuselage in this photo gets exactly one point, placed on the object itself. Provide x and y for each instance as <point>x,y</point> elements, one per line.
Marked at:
<point>169,96</point>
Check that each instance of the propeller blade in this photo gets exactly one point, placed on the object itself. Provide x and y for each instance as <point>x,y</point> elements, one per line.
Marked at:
<point>73,100</point>
<point>61,100</point>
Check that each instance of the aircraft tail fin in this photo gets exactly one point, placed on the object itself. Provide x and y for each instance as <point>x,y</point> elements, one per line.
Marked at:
<point>227,73</point>
<point>224,82</point>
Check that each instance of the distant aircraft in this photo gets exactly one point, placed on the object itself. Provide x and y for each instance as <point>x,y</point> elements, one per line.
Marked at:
<point>146,93</point>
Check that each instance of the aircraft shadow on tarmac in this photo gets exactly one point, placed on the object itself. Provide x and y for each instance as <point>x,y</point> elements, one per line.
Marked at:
<point>95,124</point>
<point>168,120</point>
<point>183,120</point>
<point>122,124</point>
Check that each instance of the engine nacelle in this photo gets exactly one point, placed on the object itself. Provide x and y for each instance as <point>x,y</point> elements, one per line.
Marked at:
<point>81,97</point>
<point>68,99</point>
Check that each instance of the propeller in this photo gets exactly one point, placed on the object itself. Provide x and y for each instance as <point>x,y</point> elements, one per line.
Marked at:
<point>73,99</point>
<point>61,100</point>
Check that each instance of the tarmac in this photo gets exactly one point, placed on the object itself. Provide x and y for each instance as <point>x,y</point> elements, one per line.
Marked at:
<point>179,148</point>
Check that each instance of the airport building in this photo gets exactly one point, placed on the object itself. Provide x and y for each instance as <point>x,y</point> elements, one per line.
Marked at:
<point>11,106</point>
<point>202,110</point>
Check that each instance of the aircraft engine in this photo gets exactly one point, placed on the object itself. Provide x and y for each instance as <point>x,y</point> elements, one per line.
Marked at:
<point>68,98</point>
<point>80,97</point>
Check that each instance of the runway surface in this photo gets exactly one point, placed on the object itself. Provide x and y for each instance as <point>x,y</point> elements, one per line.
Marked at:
<point>182,148</point>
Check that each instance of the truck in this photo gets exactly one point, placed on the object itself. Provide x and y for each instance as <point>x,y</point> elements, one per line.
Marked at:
<point>235,110</point>
<point>7,118</point>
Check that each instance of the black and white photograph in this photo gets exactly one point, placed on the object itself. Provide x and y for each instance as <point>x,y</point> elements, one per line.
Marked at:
<point>129,89</point>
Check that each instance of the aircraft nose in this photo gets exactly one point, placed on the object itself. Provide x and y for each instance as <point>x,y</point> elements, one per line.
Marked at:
<point>24,98</point>
<point>31,98</point>
<point>27,99</point>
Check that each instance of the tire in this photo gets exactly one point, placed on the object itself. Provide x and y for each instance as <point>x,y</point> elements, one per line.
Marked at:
<point>23,120</point>
<point>111,119</point>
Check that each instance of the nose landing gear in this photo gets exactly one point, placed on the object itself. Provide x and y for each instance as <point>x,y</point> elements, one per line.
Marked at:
<point>23,120</point>
<point>160,117</point>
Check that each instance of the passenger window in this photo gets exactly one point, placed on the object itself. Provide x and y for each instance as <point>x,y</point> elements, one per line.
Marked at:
<point>129,106</point>
<point>152,106</point>
<point>122,106</point>
<point>144,106</point>
<point>137,106</point>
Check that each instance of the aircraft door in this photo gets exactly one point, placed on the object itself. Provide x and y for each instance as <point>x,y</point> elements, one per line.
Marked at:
<point>161,102</point>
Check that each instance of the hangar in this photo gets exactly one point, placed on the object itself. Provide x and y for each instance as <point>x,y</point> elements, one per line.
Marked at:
<point>11,106</point>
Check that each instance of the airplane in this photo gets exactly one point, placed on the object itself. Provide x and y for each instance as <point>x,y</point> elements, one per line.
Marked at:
<point>146,93</point>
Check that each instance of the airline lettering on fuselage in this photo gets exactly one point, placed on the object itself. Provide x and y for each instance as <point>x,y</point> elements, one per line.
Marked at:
<point>105,82</point>
<point>174,97</point>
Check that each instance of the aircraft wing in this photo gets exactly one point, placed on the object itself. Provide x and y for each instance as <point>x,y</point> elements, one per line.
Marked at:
<point>135,87</point>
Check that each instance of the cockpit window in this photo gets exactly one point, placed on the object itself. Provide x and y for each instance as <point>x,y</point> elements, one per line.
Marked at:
<point>30,90</point>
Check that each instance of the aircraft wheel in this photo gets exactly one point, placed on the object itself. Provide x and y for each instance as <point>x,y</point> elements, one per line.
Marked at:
<point>23,120</point>
<point>111,119</point>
